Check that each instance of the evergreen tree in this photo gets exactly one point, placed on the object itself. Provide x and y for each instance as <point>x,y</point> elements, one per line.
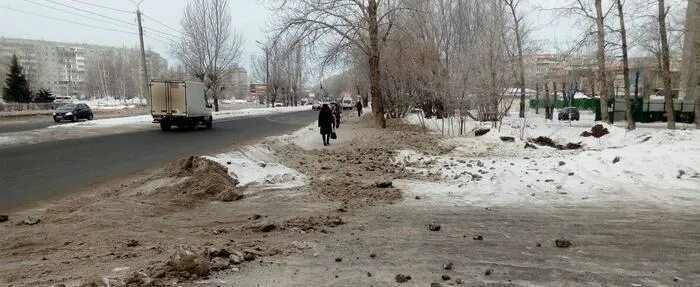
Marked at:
<point>16,86</point>
<point>44,96</point>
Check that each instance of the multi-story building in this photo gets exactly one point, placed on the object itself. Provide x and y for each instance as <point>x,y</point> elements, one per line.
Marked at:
<point>236,87</point>
<point>77,70</point>
<point>258,93</point>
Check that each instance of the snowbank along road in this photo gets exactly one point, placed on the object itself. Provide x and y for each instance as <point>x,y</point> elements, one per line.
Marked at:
<point>38,171</point>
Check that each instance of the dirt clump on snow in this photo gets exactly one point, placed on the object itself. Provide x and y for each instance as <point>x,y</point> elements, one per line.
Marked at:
<point>354,194</point>
<point>481,132</point>
<point>546,141</point>
<point>313,223</point>
<point>203,179</point>
<point>597,131</point>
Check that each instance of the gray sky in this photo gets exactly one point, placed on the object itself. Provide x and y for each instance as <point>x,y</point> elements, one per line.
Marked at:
<point>249,18</point>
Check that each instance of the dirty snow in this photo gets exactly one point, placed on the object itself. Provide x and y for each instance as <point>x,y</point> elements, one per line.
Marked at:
<point>656,166</point>
<point>231,114</point>
<point>111,122</point>
<point>255,165</point>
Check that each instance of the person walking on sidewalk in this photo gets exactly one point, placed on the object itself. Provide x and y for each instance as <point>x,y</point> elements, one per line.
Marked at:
<point>325,122</point>
<point>358,106</point>
<point>336,114</point>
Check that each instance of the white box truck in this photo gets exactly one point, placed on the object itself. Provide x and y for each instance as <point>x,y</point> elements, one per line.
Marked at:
<point>179,103</point>
<point>347,103</point>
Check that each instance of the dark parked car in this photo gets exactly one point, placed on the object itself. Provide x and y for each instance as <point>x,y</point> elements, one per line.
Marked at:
<point>569,113</point>
<point>72,112</point>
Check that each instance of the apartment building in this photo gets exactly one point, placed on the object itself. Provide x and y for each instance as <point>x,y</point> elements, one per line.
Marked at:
<point>66,68</point>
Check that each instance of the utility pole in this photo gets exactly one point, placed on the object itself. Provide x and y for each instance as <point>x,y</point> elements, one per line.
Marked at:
<point>144,80</point>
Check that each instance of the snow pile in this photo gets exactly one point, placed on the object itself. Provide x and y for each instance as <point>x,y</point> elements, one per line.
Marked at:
<point>561,132</point>
<point>230,114</point>
<point>307,138</point>
<point>111,122</point>
<point>659,167</point>
<point>255,165</point>
<point>7,140</point>
<point>110,103</point>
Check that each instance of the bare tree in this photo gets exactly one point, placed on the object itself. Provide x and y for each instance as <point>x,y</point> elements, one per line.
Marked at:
<point>600,57</point>
<point>666,67</point>
<point>209,47</point>
<point>339,26</point>
<point>517,28</point>
<point>625,66</point>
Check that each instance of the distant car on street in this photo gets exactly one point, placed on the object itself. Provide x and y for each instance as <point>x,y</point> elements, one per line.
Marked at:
<point>569,113</point>
<point>72,112</point>
<point>316,106</point>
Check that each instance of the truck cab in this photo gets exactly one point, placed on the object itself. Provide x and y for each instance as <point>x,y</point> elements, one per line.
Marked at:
<point>180,103</point>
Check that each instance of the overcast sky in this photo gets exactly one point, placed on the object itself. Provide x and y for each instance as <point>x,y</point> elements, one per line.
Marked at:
<point>249,18</point>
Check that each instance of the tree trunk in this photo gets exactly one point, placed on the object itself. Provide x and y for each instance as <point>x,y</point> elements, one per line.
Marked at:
<point>537,99</point>
<point>216,103</point>
<point>546,100</point>
<point>690,66</point>
<point>521,64</point>
<point>625,67</point>
<point>600,55</point>
<point>553,101</point>
<point>374,57</point>
<point>665,68</point>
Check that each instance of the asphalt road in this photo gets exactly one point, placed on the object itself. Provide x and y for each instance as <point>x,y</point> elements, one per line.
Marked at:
<point>19,127</point>
<point>40,171</point>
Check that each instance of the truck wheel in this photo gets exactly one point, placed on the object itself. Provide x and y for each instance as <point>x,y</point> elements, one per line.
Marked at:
<point>209,123</point>
<point>164,126</point>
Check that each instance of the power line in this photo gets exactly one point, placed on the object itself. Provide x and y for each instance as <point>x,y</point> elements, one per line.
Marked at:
<point>159,22</point>
<point>89,12</point>
<point>132,25</point>
<point>67,21</point>
<point>152,35</point>
<point>161,32</point>
<point>104,7</point>
<point>78,14</point>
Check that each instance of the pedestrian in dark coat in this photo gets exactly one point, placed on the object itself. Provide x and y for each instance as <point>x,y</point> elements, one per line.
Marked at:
<point>336,114</point>
<point>358,106</point>
<point>325,122</point>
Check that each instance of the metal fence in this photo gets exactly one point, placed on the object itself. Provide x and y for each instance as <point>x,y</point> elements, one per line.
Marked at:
<point>18,107</point>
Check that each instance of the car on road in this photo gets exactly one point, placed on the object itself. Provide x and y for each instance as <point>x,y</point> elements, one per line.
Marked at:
<point>316,106</point>
<point>569,113</point>
<point>72,112</point>
<point>277,105</point>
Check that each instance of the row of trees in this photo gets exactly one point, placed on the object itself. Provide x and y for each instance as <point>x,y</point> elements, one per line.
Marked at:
<point>451,53</point>
<point>17,87</point>
<point>283,69</point>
